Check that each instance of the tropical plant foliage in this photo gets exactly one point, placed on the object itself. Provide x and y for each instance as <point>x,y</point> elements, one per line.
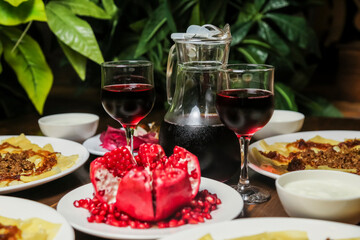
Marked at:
<point>75,36</point>
<point>264,31</point>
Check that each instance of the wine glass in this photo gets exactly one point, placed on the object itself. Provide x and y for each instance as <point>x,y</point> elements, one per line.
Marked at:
<point>127,93</point>
<point>245,103</point>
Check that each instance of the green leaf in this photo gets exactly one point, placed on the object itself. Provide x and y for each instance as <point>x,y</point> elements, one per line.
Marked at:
<point>15,3</point>
<point>73,31</point>
<point>139,25</point>
<point>248,13</point>
<point>195,18</point>
<point>110,7</point>
<point>253,54</point>
<point>257,43</point>
<point>240,31</point>
<point>318,106</point>
<point>275,4</point>
<point>143,46</point>
<point>152,26</point>
<point>214,10</point>
<point>269,35</point>
<point>77,60</point>
<point>186,7</point>
<point>284,97</point>
<point>84,8</point>
<point>296,30</point>
<point>29,64</point>
<point>259,4</point>
<point>32,10</point>
<point>169,17</point>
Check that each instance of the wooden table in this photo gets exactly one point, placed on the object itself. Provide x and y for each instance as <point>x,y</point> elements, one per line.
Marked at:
<point>52,192</point>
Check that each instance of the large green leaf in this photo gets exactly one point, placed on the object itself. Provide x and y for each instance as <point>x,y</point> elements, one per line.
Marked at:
<point>284,97</point>
<point>152,26</point>
<point>253,54</point>
<point>269,35</point>
<point>240,31</point>
<point>248,13</point>
<point>73,31</point>
<point>15,3</point>
<point>110,7</point>
<point>77,60</point>
<point>84,8</point>
<point>296,30</point>
<point>29,64</point>
<point>275,4</point>
<point>32,10</point>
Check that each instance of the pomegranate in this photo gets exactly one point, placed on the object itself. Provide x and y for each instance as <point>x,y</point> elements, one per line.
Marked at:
<point>149,186</point>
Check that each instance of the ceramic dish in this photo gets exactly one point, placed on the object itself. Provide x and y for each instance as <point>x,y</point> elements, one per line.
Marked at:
<point>232,204</point>
<point>63,146</point>
<point>19,208</point>
<point>281,122</point>
<point>93,146</point>
<point>335,135</point>
<point>320,194</point>
<point>71,126</point>
<point>316,229</point>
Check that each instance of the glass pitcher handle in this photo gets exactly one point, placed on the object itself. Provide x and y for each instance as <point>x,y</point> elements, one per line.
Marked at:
<point>169,74</point>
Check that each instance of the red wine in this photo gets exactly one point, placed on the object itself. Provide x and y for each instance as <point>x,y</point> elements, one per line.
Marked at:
<point>216,147</point>
<point>245,111</point>
<point>128,103</point>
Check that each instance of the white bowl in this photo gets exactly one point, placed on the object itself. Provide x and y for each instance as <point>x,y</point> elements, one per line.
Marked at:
<point>320,194</point>
<point>72,126</point>
<point>281,122</point>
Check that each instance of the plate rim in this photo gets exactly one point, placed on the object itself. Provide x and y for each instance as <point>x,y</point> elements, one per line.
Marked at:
<point>288,223</point>
<point>88,146</point>
<point>83,157</point>
<point>236,210</point>
<point>66,228</point>
<point>263,172</point>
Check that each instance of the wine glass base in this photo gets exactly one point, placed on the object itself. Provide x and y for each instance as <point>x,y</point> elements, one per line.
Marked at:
<point>253,195</point>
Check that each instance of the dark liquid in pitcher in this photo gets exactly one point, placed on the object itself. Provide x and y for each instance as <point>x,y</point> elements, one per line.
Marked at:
<point>216,147</point>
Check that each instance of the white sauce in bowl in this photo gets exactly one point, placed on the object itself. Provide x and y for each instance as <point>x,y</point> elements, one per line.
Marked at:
<point>324,189</point>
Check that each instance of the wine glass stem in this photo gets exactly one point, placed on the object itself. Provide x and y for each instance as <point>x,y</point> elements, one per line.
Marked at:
<point>129,132</point>
<point>244,181</point>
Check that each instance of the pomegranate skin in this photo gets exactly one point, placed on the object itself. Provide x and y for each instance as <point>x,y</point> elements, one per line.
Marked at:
<point>171,193</point>
<point>134,195</point>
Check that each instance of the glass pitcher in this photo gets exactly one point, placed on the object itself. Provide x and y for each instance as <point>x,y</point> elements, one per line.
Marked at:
<point>192,72</point>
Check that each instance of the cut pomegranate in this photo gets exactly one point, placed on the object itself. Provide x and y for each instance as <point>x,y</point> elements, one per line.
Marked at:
<point>153,189</point>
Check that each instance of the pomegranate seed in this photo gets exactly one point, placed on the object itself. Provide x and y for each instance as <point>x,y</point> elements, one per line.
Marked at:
<point>192,221</point>
<point>173,223</point>
<point>199,209</point>
<point>76,204</point>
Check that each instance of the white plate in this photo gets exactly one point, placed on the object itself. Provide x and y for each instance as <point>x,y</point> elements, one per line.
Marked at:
<point>335,135</point>
<point>13,207</point>
<point>232,204</point>
<point>316,229</point>
<point>93,146</point>
<point>65,147</point>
